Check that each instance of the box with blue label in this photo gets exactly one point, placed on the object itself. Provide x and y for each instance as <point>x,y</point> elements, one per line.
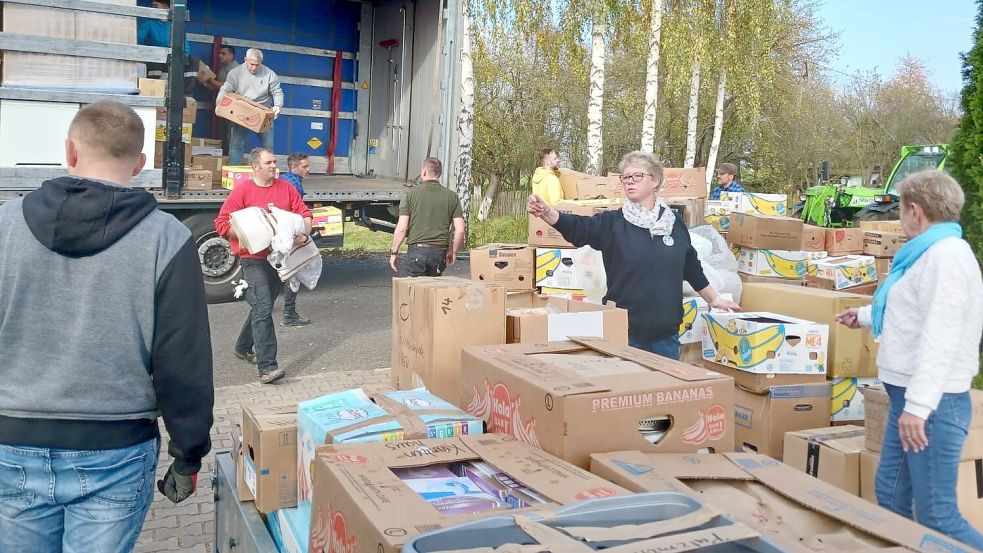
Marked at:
<point>763,342</point>
<point>269,455</point>
<point>355,416</point>
<point>761,420</point>
<point>290,528</point>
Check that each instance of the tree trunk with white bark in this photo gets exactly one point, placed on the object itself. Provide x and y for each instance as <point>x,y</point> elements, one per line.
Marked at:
<point>465,120</point>
<point>694,105</point>
<point>489,200</point>
<point>595,104</point>
<point>652,78</point>
<point>718,127</point>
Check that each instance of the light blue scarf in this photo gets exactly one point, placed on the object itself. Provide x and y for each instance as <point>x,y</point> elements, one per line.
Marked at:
<point>904,259</point>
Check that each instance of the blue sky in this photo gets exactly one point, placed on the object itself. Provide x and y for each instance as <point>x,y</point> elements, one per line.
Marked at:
<point>876,33</point>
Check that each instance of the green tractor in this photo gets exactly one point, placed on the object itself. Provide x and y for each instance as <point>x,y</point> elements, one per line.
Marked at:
<point>843,205</point>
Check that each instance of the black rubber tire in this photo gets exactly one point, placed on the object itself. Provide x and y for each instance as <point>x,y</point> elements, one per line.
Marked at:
<point>215,253</point>
<point>872,215</point>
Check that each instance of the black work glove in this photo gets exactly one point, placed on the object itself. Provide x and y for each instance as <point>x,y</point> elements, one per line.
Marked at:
<point>177,487</point>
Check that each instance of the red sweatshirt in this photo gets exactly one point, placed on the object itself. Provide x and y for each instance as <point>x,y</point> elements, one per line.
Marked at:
<point>282,194</point>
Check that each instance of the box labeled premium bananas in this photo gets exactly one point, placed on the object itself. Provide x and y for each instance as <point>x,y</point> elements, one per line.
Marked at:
<point>768,343</point>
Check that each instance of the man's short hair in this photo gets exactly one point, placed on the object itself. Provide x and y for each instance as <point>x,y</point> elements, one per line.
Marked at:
<point>727,169</point>
<point>545,152</point>
<point>433,166</point>
<point>256,154</point>
<point>293,160</point>
<point>255,54</point>
<point>108,130</point>
<point>230,48</point>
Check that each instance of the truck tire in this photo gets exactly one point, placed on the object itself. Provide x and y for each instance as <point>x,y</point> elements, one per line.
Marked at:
<point>892,214</point>
<point>219,265</point>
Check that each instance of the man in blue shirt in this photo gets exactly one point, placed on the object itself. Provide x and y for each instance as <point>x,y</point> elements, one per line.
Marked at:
<point>157,32</point>
<point>299,167</point>
<point>727,180</point>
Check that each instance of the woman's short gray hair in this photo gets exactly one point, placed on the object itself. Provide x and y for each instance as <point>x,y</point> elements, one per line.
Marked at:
<point>650,162</point>
<point>938,194</point>
<point>254,53</point>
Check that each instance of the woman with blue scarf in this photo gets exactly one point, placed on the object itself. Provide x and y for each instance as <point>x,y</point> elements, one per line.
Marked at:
<point>928,314</point>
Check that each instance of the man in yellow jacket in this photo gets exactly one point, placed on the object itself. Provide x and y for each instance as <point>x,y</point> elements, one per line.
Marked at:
<point>546,179</point>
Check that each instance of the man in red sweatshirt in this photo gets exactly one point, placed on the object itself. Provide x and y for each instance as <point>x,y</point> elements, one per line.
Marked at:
<point>257,340</point>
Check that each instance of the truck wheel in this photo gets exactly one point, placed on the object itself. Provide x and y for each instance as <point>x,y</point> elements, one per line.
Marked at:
<point>218,264</point>
<point>892,214</point>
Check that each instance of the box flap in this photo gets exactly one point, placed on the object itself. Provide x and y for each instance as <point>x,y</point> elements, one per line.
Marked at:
<point>680,466</point>
<point>548,375</point>
<point>682,371</point>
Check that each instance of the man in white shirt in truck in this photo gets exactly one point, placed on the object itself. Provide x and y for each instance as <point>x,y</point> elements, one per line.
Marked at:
<point>257,82</point>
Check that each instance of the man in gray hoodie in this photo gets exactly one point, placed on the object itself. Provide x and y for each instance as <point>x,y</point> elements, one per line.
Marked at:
<point>254,81</point>
<point>103,329</point>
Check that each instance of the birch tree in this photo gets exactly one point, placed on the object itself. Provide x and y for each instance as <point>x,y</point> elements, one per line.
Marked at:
<point>595,105</point>
<point>718,126</point>
<point>691,118</point>
<point>652,78</point>
<point>465,118</point>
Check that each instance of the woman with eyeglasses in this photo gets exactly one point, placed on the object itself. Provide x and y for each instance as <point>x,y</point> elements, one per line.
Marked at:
<point>647,255</point>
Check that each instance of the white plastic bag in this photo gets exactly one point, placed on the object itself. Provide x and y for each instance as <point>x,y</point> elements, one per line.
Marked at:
<point>589,267</point>
<point>719,263</point>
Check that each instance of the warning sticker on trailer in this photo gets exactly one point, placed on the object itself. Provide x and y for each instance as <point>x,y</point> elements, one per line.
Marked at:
<point>314,143</point>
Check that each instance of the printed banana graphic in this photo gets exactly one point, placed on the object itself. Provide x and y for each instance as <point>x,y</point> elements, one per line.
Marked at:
<point>859,275</point>
<point>843,390</point>
<point>786,267</point>
<point>546,262</point>
<point>690,313</point>
<point>697,432</point>
<point>745,350</point>
<point>766,207</point>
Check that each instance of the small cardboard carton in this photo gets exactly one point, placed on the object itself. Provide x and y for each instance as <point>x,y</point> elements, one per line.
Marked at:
<point>693,325</point>
<point>188,114</point>
<point>777,263</point>
<point>578,397</point>
<point>433,318</point>
<point>245,112</point>
<point>765,233</point>
<point>581,186</point>
<point>880,243</point>
<point>887,226</point>
<point>765,342</point>
<point>684,183</point>
<point>234,175</point>
<point>759,383</point>
<point>722,206</point>
<point>883,265</point>
<point>813,238</point>
<point>357,416</point>
<point>541,234</point>
<point>537,318</point>
<point>328,221</point>
<point>851,352</point>
<point>269,453</point>
<point>690,210</point>
<point>838,273</point>
<point>830,454</point>
<point>211,163</point>
<point>771,205</point>
<point>570,269</point>
<point>848,398</point>
<point>761,420</point>
<point>782,502</point>
<point>361,505</point>
<point>152,87</point>
<point>159,148</point>
<point>875,421</point>
<point>511,265</point>
<point>841,241</point>
<point>197,179</point>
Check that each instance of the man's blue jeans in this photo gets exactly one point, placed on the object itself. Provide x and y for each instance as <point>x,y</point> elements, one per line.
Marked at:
<point>922,486</point>
<point>73,501</point>
<point>258,332</point>
<point>237,142</point>
<point>667,347</point>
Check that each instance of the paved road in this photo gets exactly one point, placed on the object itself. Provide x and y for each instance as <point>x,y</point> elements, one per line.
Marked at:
<point>351,308</point>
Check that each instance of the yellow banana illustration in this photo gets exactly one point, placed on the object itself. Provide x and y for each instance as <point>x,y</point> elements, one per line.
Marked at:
<point>766,207</point>
<point>745,350</point>
<point>859,275</point>
<point>547,261</point>
<point>843,390</point>
<point>690,311</point>
<point>788,268</point>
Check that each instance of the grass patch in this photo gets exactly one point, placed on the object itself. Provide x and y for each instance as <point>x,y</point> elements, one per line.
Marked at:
<point>359,238</point>
<point>509,230</point>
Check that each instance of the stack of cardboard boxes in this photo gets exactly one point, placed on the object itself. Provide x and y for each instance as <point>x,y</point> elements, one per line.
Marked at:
<point>883,239</point>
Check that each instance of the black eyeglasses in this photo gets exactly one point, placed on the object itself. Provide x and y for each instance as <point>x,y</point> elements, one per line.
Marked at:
<point>637,177</point>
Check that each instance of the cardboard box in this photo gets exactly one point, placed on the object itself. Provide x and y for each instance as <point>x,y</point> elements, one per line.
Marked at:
<point>242,490</point>
<point>365,416</point>
<point>690,210</point>
<point>270,455</point>
<point>152,87</point>
<point>581,186</point>
<point>567,294</point>
<point>764,342</point>
<point>188,114</point>
<point>161,132</point>
<point>234,175</point>
<point>770,205</point>
<point>875,416</point>
<point>211,163</point>
<point>846,271</point>
<point>511,265</point>
<point>541,234</point>
<point>290,529</point>
<point>722,206</point>
<point>850,352</point>
<point>749,279</point>
<point>210,142</point>
<point>813,238</point>
<point>765,233</point>
<point>245,113</point>
<point>760,383</point>
<point>693,325</point>
<point>197,179</point>
<point>328,221</point>
<point>719,222</point>
<point>830,454</point>
<point>777,263</point>
<point>886,226</point>
<point>848,399</point>
<point>362,506</point>
<point>433,318</point>
<point>571,269</point>
<point>546,319</point>
<point>691,354</point>
<point>684,183</point>
<point>206,151</point>
<point>841,241</point>
<point>883,265</point>
<point>576,398</point>
<point>880,243</point>
<point>761,420</point>
<point>159,155</point>
<point>783,503</point>
<point>868,474</point>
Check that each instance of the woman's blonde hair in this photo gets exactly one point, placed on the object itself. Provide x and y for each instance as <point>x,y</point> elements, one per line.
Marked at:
<point>649,161</point>
<point>938,194</point>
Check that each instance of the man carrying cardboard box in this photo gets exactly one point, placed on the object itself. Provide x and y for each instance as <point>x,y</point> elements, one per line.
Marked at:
<point>545,182</point>
<point>257,82</point>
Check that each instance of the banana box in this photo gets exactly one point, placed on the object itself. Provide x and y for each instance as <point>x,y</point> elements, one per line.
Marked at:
<point>764,342</point>
<point>568,268</point>
<point>775,205</point>
<point>847,398</point>
<point>541,234</point>
<point>838,273</point>
<point>328,220</point>
<point>719,222</point>
<point>777,263</point>
<point>234,175</point>
<point>692,326</point>
<point>722,206</point>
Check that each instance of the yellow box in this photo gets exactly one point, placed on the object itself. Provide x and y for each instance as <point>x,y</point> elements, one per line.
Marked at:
<point>329,220</point>
<point>161,132</point>
<point>777,263</point>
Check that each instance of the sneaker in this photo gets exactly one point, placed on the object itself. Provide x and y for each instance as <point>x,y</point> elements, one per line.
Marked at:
<point>248,357</point>
<point>295,321</point>
<point>272,376</point>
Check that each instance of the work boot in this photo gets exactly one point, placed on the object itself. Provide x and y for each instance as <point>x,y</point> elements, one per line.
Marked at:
<point>294,320</point>
<point>248,357</point>
<point>272,376</point>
